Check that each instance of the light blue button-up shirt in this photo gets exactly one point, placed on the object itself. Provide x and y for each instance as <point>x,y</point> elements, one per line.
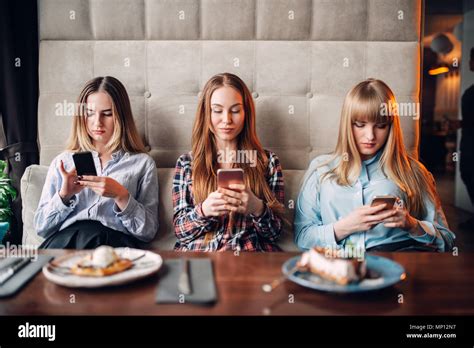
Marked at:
<point>321,204</point>
<point>136,172</point>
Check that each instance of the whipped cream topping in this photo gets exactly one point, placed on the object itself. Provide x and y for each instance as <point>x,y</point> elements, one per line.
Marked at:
<point>103,256</point>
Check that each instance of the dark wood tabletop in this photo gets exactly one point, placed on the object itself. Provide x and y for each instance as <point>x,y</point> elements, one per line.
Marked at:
<point>436,284</point>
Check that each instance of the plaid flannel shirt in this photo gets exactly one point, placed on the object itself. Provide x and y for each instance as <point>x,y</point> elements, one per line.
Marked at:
<point>200,233</point>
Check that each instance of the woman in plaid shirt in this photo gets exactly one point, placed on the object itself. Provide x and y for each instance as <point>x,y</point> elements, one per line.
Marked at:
<point>208,218</point>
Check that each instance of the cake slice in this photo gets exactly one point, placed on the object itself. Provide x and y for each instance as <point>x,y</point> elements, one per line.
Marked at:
<point>328,265</point>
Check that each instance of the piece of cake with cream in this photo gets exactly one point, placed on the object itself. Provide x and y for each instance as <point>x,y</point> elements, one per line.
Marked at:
<point>101,262</point>
<point>329,266</point>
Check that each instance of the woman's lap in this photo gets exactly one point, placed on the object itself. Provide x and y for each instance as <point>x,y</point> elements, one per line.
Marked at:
<point>88,234</point>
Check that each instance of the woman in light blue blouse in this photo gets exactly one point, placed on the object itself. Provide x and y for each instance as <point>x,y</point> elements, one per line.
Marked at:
<point>119,206</point>
<point>334,205</point>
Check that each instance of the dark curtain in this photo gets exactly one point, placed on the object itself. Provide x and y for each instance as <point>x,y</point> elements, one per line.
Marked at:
<point>19,94</point>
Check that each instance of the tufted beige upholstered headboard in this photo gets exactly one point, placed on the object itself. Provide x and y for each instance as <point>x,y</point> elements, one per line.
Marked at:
<point>298,57</point>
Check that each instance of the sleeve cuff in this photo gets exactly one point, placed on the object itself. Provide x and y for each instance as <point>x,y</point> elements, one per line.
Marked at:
<point>129,209</point>
<point>330,236</point>
<point>200,217</point>
<point>265,215</point>
<point>319,235</point>
<point>59,205</point>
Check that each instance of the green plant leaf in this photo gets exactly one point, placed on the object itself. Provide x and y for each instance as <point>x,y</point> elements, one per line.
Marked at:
<point>7,193</point>
<point>5,215</point>
<point>4,202</point>
<point>11,192</point>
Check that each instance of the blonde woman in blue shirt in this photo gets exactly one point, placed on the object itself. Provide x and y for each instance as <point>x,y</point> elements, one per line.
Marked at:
<point>334,205</point>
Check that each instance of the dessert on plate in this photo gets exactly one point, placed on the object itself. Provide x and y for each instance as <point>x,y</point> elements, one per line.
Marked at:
<point>328,264</point>
<point>103,261</point>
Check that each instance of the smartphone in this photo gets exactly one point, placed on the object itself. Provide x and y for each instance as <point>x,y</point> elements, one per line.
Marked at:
<point>387,199</point>
<point>225,177</point>
<point>84,163</point>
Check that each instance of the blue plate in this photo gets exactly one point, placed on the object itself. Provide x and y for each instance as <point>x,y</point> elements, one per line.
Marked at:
<point>388,273</point>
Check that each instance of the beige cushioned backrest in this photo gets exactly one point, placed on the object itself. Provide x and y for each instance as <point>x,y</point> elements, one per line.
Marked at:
<point>298,57</point>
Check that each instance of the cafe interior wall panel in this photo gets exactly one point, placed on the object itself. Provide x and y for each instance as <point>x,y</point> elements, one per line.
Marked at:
<point>290,139</point>
<point>410,121</point>
<point>164,51</point>
<point>64,66</point>
<point>394,20</point>
<point>64,20</point>
<point>324,123</point>
<point>117,19</point>
<point>283,19</point>
<point>173,68</point>
<point>299,55</point>
<point>173,126</point>
<point>124,60</point>
<point>283,67</point>
<point>337,72</point>
<point>228,19</point>
<point>396,63</point>
<point>56,123</point>
<point>162,23</point>
<point>237,57</point>
<point>339,20</point>
<point>138,109</point>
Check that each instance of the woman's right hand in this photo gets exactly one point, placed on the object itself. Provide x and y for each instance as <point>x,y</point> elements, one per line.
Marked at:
<point>361,219</point>
<point>70,185</point>
<point>215,205</point>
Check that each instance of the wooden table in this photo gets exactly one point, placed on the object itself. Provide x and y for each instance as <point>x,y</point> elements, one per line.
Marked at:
<point>436,284</point>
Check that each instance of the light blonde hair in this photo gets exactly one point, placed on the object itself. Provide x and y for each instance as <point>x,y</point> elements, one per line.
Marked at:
<point>364,102</point>
<point>204,149</point>
<point>125,136</point>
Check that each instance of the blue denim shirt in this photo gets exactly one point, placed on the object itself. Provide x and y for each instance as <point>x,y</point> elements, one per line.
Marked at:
<point>136,172</point>
<point>321,204</point>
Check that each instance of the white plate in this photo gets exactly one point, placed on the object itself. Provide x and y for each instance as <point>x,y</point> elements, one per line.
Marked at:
<point>144,266</point>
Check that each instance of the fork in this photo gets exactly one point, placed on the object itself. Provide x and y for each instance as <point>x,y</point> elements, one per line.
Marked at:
<point>60,270</point>
<point>269,287</point>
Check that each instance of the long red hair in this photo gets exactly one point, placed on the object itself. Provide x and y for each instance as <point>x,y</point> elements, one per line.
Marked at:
<point>204,149</point>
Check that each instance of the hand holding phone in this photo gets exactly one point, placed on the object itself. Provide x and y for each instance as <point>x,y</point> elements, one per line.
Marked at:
<point>84,165</point>
<point>243,200</point>
<point>218,203</point>
<point>365,217</point>
<point>69,185</point>
<point>400,217</point>
<point>389,200</point>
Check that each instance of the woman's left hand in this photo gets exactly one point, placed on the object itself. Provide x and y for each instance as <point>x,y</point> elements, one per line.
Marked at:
<point>402,219</point>
<point>106,187</point>
<point>242,200</point>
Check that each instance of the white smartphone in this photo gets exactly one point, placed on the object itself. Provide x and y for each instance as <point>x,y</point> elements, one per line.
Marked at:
<point>385,199</point>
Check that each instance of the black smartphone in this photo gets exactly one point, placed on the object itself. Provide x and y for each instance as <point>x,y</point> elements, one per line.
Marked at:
<point>84,163</point>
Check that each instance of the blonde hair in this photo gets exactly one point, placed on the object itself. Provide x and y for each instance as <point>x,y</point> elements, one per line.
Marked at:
<point>204,150</point>
<point>365,102</point>
<point>125,136</point>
